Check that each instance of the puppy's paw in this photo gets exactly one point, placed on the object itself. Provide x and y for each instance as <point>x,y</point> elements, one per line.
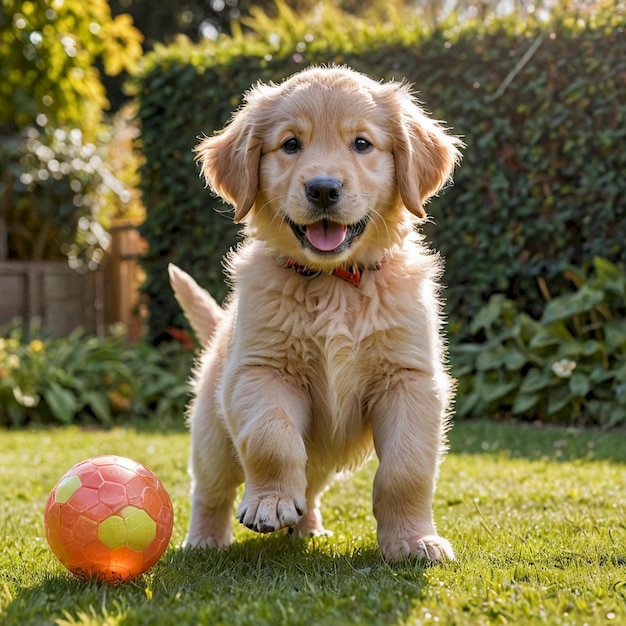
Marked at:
<point>206,543</point>
<point>311,525</point>
<point>269,512</point>
<point>429,548</point>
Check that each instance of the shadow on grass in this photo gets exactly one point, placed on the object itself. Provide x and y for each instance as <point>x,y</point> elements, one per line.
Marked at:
<point>264,580</point>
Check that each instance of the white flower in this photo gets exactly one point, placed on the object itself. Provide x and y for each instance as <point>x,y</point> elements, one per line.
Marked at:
<point>25,399</point>
<point>564,368</point>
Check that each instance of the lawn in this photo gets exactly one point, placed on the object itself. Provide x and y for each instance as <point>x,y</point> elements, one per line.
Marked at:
<point>536,516</point>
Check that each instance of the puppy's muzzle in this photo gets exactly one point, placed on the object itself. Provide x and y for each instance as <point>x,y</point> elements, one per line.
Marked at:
<point>324,235</point>
<point>323,192</point>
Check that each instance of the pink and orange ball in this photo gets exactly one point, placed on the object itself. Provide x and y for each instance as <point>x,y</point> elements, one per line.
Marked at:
<point>108,518</point>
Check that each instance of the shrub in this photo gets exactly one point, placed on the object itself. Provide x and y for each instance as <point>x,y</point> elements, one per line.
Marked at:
<point>62,190</point>
<point>56,178</point>
<point>89,380</point>
<point>540,106</point>
<point>569,366</point>
<point>49,53</point>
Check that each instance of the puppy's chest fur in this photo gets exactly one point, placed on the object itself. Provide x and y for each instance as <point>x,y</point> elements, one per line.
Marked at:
<point>339,344</point>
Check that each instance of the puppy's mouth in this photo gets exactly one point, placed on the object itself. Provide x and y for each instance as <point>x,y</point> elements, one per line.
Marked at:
<point>328,237</point>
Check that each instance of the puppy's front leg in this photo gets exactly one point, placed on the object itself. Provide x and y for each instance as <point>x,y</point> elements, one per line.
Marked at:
<point>407,422</point>
<point>268,416</point>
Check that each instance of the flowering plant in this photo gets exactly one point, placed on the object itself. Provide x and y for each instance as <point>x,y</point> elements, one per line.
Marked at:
<point>568,366</point>
<point>63,189</point>
<point>87,379</point>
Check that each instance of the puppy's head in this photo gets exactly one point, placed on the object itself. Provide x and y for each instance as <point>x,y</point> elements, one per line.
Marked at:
<point>326,166</point>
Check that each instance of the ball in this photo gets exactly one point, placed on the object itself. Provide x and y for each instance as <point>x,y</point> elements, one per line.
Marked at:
<point>108,518</point>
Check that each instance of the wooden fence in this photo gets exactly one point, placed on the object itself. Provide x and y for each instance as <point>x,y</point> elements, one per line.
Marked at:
<point>63,299</point>
<point>124,276</point>
<point>59,297</point>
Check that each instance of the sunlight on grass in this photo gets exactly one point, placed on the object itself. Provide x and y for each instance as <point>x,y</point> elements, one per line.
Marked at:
<point>536,517</point>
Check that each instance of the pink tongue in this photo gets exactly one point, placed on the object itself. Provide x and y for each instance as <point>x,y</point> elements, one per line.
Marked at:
<point>325,235</point>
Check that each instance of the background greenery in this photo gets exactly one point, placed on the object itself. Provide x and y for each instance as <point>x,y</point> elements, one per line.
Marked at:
<point>531,230</point>
<point>82,379</point>
<point>540,187</point>
<point>538,198</point>
<point>62,180</point>
<point>569,365</point>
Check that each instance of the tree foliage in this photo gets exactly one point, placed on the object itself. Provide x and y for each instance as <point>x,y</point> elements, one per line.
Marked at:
<point>57,181</point>
<point>199,19</point>
<point>48,55</point>
<point>161,22</point>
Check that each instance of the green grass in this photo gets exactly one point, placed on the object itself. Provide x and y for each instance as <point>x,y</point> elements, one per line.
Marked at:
<point>536,517</point>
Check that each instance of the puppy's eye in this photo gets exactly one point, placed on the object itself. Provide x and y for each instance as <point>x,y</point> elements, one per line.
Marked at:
<point>291,146</point>
<point>362,145</point>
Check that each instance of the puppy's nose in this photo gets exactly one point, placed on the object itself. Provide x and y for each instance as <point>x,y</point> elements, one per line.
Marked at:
<point>323,192</point>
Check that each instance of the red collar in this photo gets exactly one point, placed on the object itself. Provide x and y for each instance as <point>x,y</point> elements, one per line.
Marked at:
<point>349,274</point>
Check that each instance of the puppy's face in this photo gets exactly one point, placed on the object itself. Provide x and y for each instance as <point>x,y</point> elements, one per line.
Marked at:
<point>325,166</point>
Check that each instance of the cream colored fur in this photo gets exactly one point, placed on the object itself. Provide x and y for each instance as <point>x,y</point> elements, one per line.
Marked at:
<point>303,373</point>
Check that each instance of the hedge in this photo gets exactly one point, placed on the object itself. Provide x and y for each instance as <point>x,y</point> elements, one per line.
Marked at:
<point>541,107</point>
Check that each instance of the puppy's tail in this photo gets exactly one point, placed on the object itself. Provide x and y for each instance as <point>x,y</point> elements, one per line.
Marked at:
<point>203,313</point>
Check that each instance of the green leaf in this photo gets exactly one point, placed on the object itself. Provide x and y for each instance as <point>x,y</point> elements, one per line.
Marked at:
<point>514,360</point>
<point>497,391</point>
<point>558,399</point>
<point>599,375</point>
<point>461,369</point>
<point>535,381</point>
<point>607,413</point>
<point>569,305</point>
<point>614,336</point>
<point>579,384</point>
<point>524,402</point>
<point>489,314</point>
<point>570,350</point>
<point>491,357</point>
<point>465,406</point>
<point>609,276</point>
<point>496,357</point>
<point>620,374</point>
<point>63,403</point>
<point>550,335</point>
<point>591,347</point>
<point>99,403</point>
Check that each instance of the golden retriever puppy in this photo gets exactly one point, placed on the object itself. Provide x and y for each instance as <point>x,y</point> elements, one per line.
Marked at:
<point>330,342</point>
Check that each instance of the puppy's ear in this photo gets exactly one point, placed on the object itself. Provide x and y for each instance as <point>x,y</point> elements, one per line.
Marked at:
<point>425,154</point>
<point>230,159</point>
